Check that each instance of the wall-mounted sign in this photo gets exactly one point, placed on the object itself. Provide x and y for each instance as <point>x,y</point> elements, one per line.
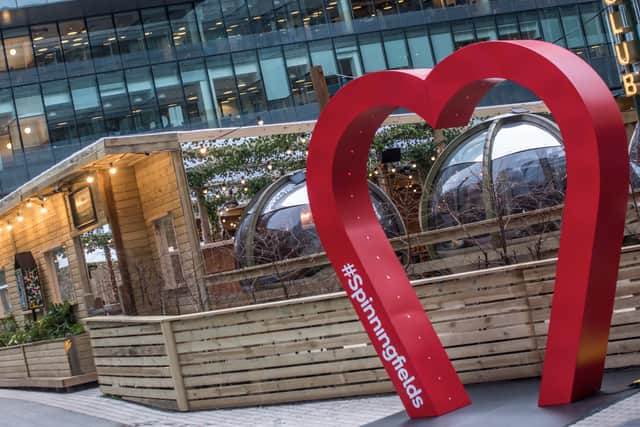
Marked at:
<point>83,210</point>
<point>626,48</point>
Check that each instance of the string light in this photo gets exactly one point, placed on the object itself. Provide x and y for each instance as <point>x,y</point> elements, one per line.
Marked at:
<point>260,122</point>
<point>90,179</point>
<point>9,227</point>
<point>203,150</point>
<point>393,170</point>
<point>29,204</point>
<point>270,166</point>
<point>246,189</point>
<point>433,158</point>
<point>20,218</point>
<point>243,181</point>
<point>43,209</point>
<point>113,170</point>
<point>224,188</point>
<point>414,166</point>
<point>9,146</point>
<point>289,152</point>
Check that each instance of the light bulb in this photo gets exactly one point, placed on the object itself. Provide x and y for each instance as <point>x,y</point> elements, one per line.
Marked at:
<point>29,204</point>
<point>90,179</point>
<point>9,227</point>
<point>43,210</point>
<point>433,158</point>
<point>27,130</point>
<point>203,150</point>
<point>289,152</point>
<point>113,170</point>
<point>270,166</point>
<point>13,52</point>
<point>20,218</point>
<point>9,146</point>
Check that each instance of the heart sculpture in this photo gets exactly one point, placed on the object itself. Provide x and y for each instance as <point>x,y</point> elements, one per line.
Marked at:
<point>592,227</point>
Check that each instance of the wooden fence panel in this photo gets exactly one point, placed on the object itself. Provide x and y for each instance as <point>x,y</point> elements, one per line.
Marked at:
<point>493,324</point>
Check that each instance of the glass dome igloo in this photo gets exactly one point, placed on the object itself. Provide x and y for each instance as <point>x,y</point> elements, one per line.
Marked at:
<point>506,165</point>
<point>277,223</point>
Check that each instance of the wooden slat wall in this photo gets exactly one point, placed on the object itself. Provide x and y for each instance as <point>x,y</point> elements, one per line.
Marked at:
<point>492,322</point>
<point>131,361</point>
<point>46,359</point>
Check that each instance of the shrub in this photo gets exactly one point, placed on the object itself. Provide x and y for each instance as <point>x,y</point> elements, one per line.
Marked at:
<point>56,323</point>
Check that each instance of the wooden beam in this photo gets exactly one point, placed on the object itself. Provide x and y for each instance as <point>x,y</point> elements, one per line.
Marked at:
<point>127,299</point>
<point>320,86</point>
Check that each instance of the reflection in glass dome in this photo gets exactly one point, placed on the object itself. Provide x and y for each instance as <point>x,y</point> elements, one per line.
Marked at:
<point>507,165</point>
<point>634,156</point>
<point>278,224</point>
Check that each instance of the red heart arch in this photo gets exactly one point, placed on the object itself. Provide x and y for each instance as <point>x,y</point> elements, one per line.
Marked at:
<point>592,230</point>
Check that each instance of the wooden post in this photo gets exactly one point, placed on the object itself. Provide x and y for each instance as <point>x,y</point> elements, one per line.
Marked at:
<point>127,300</point>
<point>174,365</point>
<point>26,361</point>
<point>320,86</point>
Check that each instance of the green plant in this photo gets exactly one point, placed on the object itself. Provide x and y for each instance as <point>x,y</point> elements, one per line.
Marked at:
<point>56,323</point>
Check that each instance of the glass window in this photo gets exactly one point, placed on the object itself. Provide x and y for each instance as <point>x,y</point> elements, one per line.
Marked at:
<point>551,26</point>
<point>75,44</point>
<point>158,35</point>
<point>287,14</point>
<point>104,42</point>
<point>4,76</point>
<point>420,49</point>
<point>142,98</point>
<point>115,103</point>
<point>60,115</point>
<point>60,267</point>
<point>507,27</point>
<point>362,9</point>
<point>299,72</point>
<point>408,5</point>
<point>572,26</point>
<point>486,29</point>
<point>385,7</point>
<point>348,57</point>
<point>86,101</point>
<point>5,306</point>
<point>463,34</point>
<point>322,54</point>
<point>9,131</point>
<point>169,252</point>
<point>130,38</point>
<point>33,126</point>
<point>312,13</point>
<point>593,27</point>
<point>529,27</point>
<point>170,95</point>
<point>372,53</point>
<point>223,82</point>
<point>185,29</point>
<point>276,82</point>
<point>396,49</point>
<point>48,53</point>
<point>200,107</point>
<point>236,16</point>
<point>261,16</point>
<point>210,21</point>
<point>20,58</point>
<point>249,82</point>
<point>441,41</point>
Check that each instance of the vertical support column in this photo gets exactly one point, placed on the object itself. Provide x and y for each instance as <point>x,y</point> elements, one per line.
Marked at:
<point>127,299</point>
<point>174,365</point>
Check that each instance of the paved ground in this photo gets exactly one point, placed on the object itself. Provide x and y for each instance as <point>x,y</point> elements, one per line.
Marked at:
<point>21,413</point>
<point>20,408</point>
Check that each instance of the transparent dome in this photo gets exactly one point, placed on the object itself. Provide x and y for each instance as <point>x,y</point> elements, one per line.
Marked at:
<point>507,165</point>
<point>634,157</point>
<point>278,225</point>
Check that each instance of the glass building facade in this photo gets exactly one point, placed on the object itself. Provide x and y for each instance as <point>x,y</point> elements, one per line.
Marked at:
<point>74,71</point>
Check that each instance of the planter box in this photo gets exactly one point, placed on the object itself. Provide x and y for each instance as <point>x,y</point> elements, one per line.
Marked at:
<point>48,364</point>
